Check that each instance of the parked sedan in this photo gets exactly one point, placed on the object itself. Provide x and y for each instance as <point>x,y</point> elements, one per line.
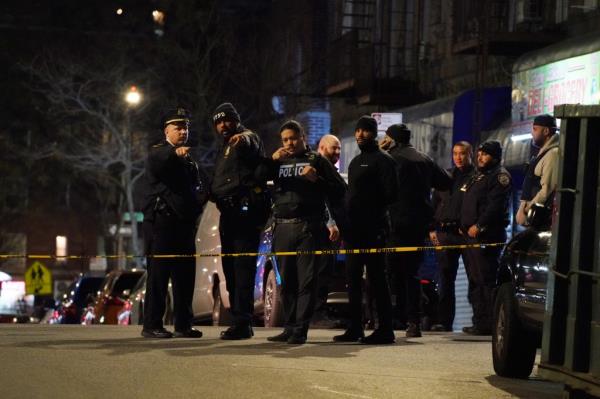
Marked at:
<point>116,288</point>
<point>520,299</point>
<point>133,309</point>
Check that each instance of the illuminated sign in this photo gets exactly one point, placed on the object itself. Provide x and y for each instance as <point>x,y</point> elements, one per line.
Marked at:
<point>571,81</point>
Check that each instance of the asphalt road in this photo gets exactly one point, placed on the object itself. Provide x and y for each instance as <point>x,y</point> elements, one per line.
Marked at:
<point>50,361</point>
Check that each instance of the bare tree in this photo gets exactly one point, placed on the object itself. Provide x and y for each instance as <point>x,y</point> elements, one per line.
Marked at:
<point>97,128</point>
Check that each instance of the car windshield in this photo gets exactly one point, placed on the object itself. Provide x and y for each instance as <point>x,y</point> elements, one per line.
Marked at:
<point>140,284</point>
<point>87,285</point>
<point>125,282</point>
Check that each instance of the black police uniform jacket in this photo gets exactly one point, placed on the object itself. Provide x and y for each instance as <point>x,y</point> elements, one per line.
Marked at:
<point>447,204</point>
<point>372,188</point>
<point>174,184</point>
<point>235,167</point>
<point>417,175</point>
<point>486,201</point>
<point>294,196</point>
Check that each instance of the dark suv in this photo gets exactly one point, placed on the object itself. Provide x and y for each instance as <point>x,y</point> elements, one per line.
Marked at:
<point>520,298</point>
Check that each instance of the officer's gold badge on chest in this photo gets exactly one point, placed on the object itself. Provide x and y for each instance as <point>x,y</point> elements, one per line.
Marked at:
<point>227,151</point>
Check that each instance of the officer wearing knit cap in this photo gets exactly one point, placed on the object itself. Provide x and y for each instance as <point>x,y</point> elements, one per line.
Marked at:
<point>177,190</point>
<point>244,207</point>
<point>410,217</point>
<point>492,148</point>
<point>484,217</point>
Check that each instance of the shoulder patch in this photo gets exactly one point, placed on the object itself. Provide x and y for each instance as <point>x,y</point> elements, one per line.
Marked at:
<point>503,179</point>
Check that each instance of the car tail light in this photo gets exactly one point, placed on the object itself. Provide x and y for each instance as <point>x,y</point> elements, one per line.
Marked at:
<point>423,281</point>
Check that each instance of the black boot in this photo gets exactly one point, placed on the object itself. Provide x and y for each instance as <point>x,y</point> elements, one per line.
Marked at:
<point>237,332</point>
<point>283,337</point>
<point>349,335</point>
<point>379,337</point>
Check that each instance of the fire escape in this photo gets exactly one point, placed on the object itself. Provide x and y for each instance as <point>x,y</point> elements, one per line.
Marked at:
<point>364,63</point>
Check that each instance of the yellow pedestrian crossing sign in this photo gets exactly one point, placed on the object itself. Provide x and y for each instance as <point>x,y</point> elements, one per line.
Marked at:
<point>38,280</point>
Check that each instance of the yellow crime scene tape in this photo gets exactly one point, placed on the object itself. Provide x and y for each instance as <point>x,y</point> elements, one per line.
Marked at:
<point>284,253</point>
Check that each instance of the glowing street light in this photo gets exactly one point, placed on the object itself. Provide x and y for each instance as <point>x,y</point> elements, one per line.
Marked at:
<point>133,96</point>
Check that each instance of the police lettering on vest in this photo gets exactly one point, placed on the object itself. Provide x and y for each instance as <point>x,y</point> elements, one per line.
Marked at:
<point>292,170</point>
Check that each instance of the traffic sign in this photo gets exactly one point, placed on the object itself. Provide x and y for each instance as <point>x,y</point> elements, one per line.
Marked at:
<point>386,119</point>
<point>38,280</point>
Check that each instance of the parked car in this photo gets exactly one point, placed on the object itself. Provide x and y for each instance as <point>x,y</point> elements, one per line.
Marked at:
<point>78,296</point>
<point>133,309</point>
<point>520,298</point>
<point>115,289</point>
<point>211,300</point>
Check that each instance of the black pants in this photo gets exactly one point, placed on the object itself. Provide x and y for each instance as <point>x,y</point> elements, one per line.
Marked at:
<point>325,271</point>
<point>167,235</point>
<point>483,265</point>
<point>298,273</point>
<point>240,232</point>
<point>403,268</point>
<point>377,281</point>
<point>447,270</point>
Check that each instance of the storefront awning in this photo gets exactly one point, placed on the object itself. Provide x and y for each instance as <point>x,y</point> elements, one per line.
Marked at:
<point>560,51</point>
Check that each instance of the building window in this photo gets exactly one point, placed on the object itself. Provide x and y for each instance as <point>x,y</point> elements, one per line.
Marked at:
<point>61,246</point>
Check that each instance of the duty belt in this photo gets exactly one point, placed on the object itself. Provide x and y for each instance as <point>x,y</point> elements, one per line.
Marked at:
<point>286,221</point>
<point>297,220</point>
<point>448,227</point>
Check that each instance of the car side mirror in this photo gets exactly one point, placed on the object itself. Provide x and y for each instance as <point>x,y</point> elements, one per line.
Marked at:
<point>539,216</point>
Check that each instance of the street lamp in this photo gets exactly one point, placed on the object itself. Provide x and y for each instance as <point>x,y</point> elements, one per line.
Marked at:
<point>133,96</point>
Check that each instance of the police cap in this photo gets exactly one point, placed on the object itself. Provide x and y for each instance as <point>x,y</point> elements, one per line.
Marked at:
<point>175,115</point>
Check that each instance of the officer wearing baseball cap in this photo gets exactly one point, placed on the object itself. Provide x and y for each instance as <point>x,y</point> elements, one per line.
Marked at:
<point>484,217</point>
<point>177,190</point>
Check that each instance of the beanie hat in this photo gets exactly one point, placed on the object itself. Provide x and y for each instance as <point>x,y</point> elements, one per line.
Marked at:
<point>492,148</point>
<point>545,120</point>
<point>367,123</point>
<point>226,110</point>
<point>399,132</point>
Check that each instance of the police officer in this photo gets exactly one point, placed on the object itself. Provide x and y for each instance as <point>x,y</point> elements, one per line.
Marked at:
<point>372,187</point>
<point>177,190</point>
<point>303,181</point>
<point>411,215</point>
<point>243,204</point>
<point>484,217</point>
<point>541,177</point>
<point>447,205</point>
